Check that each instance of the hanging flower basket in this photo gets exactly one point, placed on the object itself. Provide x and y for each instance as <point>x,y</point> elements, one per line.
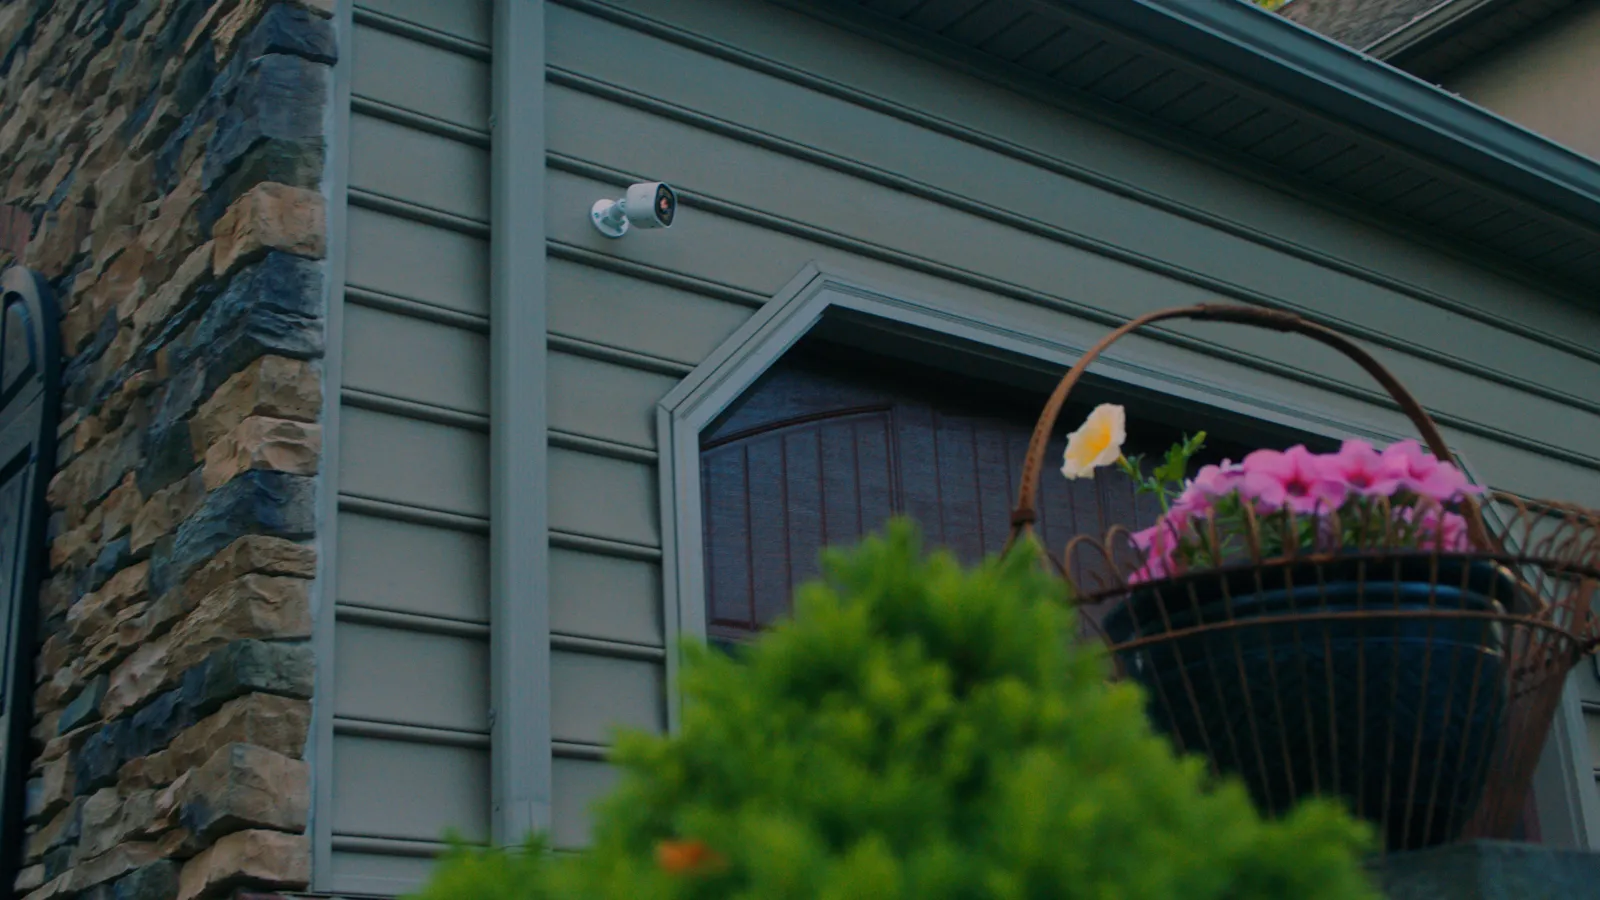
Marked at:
<point>1364,624</point>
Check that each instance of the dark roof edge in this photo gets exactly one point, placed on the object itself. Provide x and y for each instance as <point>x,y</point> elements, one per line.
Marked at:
<point>1436,21</point>
<point>1303,68</point>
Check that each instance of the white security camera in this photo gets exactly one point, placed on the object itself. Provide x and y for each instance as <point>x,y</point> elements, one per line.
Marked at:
<point>648,204</point>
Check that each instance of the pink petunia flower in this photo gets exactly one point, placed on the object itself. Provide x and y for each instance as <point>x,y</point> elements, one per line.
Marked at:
<point>1158,544</point>
<point>1366,472</point>
<point>1439,530</point>
<point>1299,474</point>
<point>1425,475</point>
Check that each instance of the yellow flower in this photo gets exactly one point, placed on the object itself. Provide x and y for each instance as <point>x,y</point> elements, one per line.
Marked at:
<point>1097,443</point>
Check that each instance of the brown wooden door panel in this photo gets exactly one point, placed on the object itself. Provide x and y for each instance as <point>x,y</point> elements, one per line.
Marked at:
<point>822,451</point>
<point>775,497</point>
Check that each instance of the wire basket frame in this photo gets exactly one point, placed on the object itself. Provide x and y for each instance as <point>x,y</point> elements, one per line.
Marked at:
<point>1353,652</point>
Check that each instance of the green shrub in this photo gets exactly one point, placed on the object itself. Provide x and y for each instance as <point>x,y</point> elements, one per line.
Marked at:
<point>921,731</point>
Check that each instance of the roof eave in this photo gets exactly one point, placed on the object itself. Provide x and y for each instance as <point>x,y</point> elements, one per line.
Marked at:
<point>1309,70</point>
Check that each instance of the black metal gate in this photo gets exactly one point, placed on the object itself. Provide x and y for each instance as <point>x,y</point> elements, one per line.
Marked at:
<point>29,360</point>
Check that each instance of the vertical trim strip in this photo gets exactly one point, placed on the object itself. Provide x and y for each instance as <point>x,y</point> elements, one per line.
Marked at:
<point>325,590</point>
<point>519,601</point>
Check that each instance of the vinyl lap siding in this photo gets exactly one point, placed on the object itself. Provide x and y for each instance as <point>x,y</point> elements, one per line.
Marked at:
<point>794,141</point>
<point>410,754</point>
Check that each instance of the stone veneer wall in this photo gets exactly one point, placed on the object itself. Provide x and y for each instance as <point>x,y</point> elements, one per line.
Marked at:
<point>169,156</point>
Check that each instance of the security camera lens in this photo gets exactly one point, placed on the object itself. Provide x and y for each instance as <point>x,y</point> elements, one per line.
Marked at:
<point>666,204</point>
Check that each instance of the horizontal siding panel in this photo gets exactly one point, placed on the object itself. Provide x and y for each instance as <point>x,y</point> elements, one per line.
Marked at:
<point>377,874</point>
<point>418,167</point>
<point>604,497</point>
<point>412,568</point>
<point>605,400</point>
<point>436,82</point>
<point>418,262</point>
<point>924,85</point>
<point>644,317</point>
<point>467,19</point>
<point>605,597</point>
<point>577,784</point>
<point>412,359</point>
<point>409,791</point>
<point>411,678</point>
<point>402,460</point>
<point>740,172</point>
<point>592,696</point>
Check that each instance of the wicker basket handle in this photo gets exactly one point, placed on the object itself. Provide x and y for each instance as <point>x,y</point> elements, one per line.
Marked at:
<point>1023,517</point>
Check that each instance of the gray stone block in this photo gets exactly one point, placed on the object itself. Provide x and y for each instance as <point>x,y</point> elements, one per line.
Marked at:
<point>256,502</point>
<point>157,881</point>
<point>83,707</point>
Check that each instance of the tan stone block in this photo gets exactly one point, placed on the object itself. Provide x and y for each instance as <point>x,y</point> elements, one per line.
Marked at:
<point>235,22</point>
<point>122,189</point>
<point>268,859</point>
<point>253,553</point>
<point>45,726</point>
<point>255,606</point>
<point>137,386</point>
<point>55,689</point>
<point>139,815</point>
<point>102,810</point>
<point>30,879</point>
<point>52,832</point>
<point>165,509</point>
<point>114,863</point>
<point>170,294</point>
<point>272,386</point>
<point>57,887</point>
<point>105,143</point>
<point>88,434</point>
<point>127,631</point>
<point>64,164</point>
<point>56,786</point>
<point>259,442</point>
<point>91,616</point>
<point>77,546</point>
<point>162,119</point>
<point>55,654</point>
<point>144,672</point>
<point>174,229</point>
<point>55,244</point>
<point>57,595</point>
<point>119,509</point>
<point>63,744</point>
<point>279,724</point>
<point>270,216</point>
<point>243,786</point>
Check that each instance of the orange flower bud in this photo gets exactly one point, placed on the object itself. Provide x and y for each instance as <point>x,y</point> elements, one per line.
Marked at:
<point>687,857</point>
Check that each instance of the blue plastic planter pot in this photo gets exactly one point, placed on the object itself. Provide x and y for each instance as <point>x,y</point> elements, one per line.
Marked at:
<point>1372,692</point>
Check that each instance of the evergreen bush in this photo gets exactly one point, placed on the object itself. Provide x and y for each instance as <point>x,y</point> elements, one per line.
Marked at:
<point>919,730</point>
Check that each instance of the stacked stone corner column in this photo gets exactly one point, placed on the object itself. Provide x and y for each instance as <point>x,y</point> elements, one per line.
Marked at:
<point>165,161</point>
